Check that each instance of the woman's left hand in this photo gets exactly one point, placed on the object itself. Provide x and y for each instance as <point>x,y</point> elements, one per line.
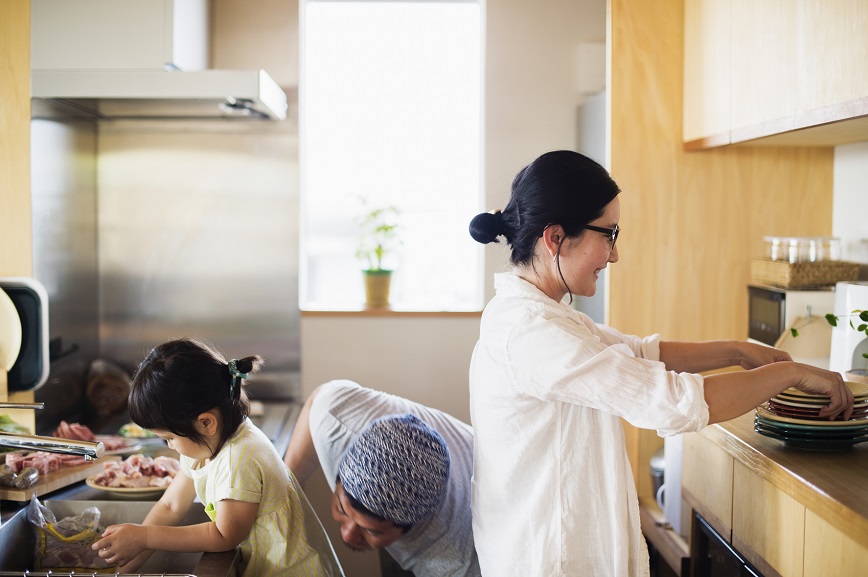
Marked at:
<point>121,543</point>
<point>754,355</point>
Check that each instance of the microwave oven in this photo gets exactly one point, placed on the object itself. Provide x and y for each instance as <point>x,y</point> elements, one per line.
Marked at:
<point>772,310</point>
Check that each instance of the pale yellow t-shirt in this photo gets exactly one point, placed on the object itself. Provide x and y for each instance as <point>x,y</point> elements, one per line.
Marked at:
<point>287,537</point>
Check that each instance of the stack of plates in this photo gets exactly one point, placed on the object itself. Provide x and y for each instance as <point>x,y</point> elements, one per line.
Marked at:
<point>793,417</point>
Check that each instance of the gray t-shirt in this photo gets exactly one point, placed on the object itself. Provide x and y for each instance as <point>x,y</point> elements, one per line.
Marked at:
<point>441,546</point>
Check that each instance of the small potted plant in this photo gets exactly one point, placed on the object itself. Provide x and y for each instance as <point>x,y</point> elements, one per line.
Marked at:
<point>861,327</point>
<point>378,236</point>
<point>858,321</point>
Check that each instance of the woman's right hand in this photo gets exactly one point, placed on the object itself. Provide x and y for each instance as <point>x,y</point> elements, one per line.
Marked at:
<point>817,381</point>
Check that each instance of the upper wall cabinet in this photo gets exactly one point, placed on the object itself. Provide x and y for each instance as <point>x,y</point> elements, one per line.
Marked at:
<point>786,72</point>
<point>707,74</point>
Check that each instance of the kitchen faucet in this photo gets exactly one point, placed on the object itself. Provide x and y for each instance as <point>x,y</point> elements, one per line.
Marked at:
<point>86,449</point>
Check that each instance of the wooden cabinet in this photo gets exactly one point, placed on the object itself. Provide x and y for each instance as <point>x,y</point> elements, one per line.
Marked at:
<point>788,512</point>
<point>764,69</point>
<point>768,526</point>
<point>785,71</point>
<point>707,74</point>
<point>707,480</point>
<point>832,53</point>
<point>832,552</point>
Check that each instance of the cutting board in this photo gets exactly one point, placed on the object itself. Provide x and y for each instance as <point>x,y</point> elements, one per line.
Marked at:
<point>56,480</point>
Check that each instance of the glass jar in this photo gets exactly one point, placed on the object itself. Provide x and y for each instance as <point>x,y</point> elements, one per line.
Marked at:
<point>794,249</point>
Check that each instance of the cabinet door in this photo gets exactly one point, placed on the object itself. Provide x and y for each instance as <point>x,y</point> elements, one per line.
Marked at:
<point>764,66</point>
<point>828,551</point>
<point>768,526</point>
<point>832,52</point>
<point>707,58</point>
<point>706,481</point>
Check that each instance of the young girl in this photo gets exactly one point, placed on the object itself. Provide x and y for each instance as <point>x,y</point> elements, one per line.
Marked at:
<point>186,393</point>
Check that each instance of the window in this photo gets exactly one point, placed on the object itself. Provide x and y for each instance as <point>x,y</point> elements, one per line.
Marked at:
<point>390,112</point>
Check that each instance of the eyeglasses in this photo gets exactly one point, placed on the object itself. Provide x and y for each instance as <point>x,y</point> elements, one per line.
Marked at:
<point>612,233</point>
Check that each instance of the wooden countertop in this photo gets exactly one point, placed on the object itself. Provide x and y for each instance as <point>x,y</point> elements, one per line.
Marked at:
<point>832,484</point>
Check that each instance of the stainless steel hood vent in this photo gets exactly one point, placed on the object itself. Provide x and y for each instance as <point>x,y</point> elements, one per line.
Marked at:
<point>159,94</point>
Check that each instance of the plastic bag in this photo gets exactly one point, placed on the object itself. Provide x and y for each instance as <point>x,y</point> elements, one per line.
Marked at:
<point>65,544</point>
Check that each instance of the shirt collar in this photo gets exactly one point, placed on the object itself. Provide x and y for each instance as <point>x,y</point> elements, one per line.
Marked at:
<point>509,284</point>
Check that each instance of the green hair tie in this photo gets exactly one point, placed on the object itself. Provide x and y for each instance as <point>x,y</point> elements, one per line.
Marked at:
<point>236,375</point>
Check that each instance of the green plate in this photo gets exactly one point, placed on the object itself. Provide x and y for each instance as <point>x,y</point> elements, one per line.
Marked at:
<point>830,434</point>
<point>813,444</point>
<point>810,426</point>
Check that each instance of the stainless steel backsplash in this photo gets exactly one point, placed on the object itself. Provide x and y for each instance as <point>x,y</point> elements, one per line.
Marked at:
<point>198,235</point>
<point>64,201</point>
<point>148,230</point>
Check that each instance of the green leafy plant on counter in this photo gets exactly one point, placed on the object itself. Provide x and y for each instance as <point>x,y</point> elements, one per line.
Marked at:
<point>834,319</point>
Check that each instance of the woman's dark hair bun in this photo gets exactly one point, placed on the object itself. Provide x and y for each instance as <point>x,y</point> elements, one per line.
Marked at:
<point>486,227</point>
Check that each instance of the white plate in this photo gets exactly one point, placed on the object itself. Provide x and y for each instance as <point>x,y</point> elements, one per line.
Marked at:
<point>130,492</point>
<point>859,390</point>
<point>810,405</point>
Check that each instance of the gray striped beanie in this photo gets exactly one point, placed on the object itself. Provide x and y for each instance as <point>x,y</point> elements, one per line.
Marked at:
<point>397,468</point>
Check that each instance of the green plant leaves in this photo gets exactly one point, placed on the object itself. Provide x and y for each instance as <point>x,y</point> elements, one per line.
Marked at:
<point>378,235</point>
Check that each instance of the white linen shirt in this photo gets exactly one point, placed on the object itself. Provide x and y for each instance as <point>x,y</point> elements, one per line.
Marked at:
<point>553,491</point>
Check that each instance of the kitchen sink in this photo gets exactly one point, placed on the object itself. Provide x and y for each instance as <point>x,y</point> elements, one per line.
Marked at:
<point>17,540</point>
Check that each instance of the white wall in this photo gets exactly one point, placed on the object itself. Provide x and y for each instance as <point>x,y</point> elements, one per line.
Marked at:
<point>850,201</point>
<point>422,358</point>
<point>532,90</point>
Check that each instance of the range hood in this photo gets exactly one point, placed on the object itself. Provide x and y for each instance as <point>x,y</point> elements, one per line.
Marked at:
<point>142,94</point>
<point>140,59</point>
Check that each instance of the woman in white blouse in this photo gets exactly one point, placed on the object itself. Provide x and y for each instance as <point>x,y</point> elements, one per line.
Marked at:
<point>553,491</point>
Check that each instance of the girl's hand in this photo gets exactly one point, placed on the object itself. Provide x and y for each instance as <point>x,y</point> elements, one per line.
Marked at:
<point>754,355</point>
<point>818,381</point>
<point>120,544</point>
<point>133,566</point>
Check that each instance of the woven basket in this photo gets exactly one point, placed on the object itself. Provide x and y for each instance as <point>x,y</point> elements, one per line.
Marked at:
<point>802,274</point>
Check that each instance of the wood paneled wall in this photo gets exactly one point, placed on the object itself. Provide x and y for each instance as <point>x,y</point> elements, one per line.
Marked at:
<point>15,254</point>
<point>691,220</point>
<point>16,244</point>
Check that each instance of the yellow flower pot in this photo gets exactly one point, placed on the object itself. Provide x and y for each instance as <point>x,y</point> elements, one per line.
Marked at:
<point>377,285</point>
